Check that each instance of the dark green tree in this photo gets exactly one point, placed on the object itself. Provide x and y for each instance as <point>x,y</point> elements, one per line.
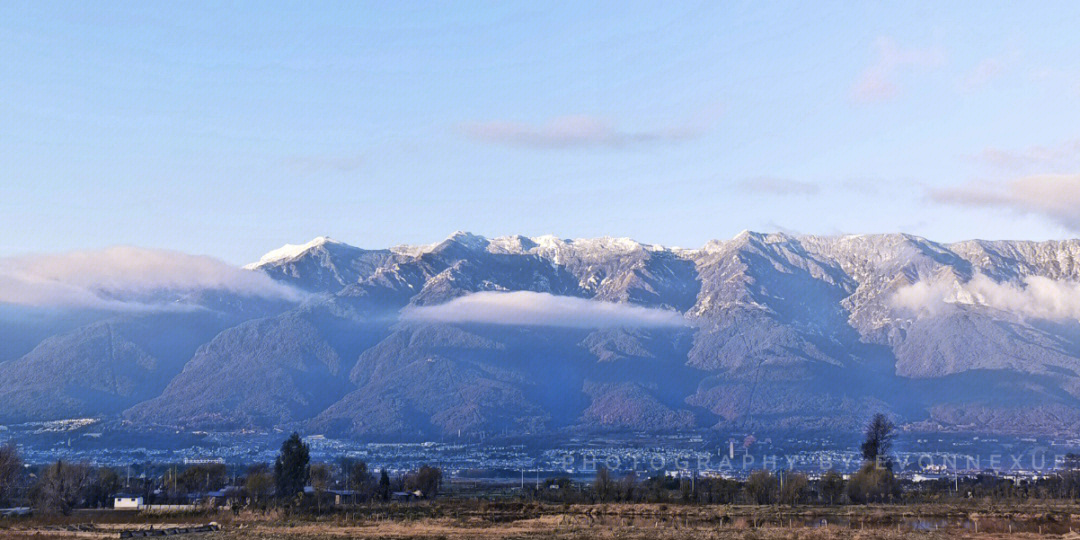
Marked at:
<point>384,485</point>
<point>291,467</point>
<point>879,436</point>
<point>875,481</point>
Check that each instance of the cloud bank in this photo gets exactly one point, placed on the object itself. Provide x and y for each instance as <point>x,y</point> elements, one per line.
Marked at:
<point>1036,297</point>
<point>126,278</point>
<point>582,131</point>
<point>1054,196</point>
<point>524,308</point>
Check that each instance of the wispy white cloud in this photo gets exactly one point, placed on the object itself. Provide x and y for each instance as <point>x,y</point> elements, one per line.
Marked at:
<point>779,186</point>
<point>306,164</point>
<point>524,308</point>
<point>126,278</point>
<point>585,130</point>
<point>1064,156</point>
<point>881,80</point>
<point>862,186</point>
<point>986,71</point>
<point>1053,196</point>
<point>1036,297</point>
<point>772,226</point>
<point>1056,78</point>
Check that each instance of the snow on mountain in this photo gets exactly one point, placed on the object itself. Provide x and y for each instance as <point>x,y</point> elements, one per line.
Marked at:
<point>289,252</point>
<point>793,332</point>
<point>321,265</point>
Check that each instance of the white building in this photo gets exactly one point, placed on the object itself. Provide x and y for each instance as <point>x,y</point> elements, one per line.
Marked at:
<point>127,502</point>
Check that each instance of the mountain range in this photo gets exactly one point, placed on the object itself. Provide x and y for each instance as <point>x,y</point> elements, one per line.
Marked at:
<point>474,336</point>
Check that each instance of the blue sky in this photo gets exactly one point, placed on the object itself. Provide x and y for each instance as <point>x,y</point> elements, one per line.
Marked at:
<point>229,130</point>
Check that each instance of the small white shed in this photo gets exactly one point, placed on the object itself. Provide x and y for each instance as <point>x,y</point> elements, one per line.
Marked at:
<point>127,502</point>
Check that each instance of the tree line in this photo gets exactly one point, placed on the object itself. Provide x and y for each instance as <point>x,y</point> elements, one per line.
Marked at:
<point>292,483</point>
<point>874,482</point>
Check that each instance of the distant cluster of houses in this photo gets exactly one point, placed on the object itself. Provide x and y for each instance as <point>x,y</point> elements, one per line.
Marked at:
<point>226,495</point>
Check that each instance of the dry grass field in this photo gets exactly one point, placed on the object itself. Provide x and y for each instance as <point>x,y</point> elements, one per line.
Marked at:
<point>612,521</point>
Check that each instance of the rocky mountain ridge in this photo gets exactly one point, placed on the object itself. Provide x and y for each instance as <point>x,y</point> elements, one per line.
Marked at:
<point>781,331</point>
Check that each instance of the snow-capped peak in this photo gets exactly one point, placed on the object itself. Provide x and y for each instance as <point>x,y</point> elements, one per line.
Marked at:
<point>467,239</point>
<point>462,238</point>
<point>290,251</point>
<point>548,242</point>
<point>516,244</point>
<point>607,244</point>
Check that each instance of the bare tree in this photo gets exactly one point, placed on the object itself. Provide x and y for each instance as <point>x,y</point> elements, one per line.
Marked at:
<point>794,488</point>
<point>203,477</point>
<point>427,479</point>
<point>357,476</point>
<point>762,487</point>
<point>11,469</point>
<point>603,483</point>
<point>832,486</point>
<point>872,484</point>
<point>61,487</point>
<point>628,485</point>
<point>360,479</point>
<point>101,486</point>
<point>259,484</point>
<point>319,476</point>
